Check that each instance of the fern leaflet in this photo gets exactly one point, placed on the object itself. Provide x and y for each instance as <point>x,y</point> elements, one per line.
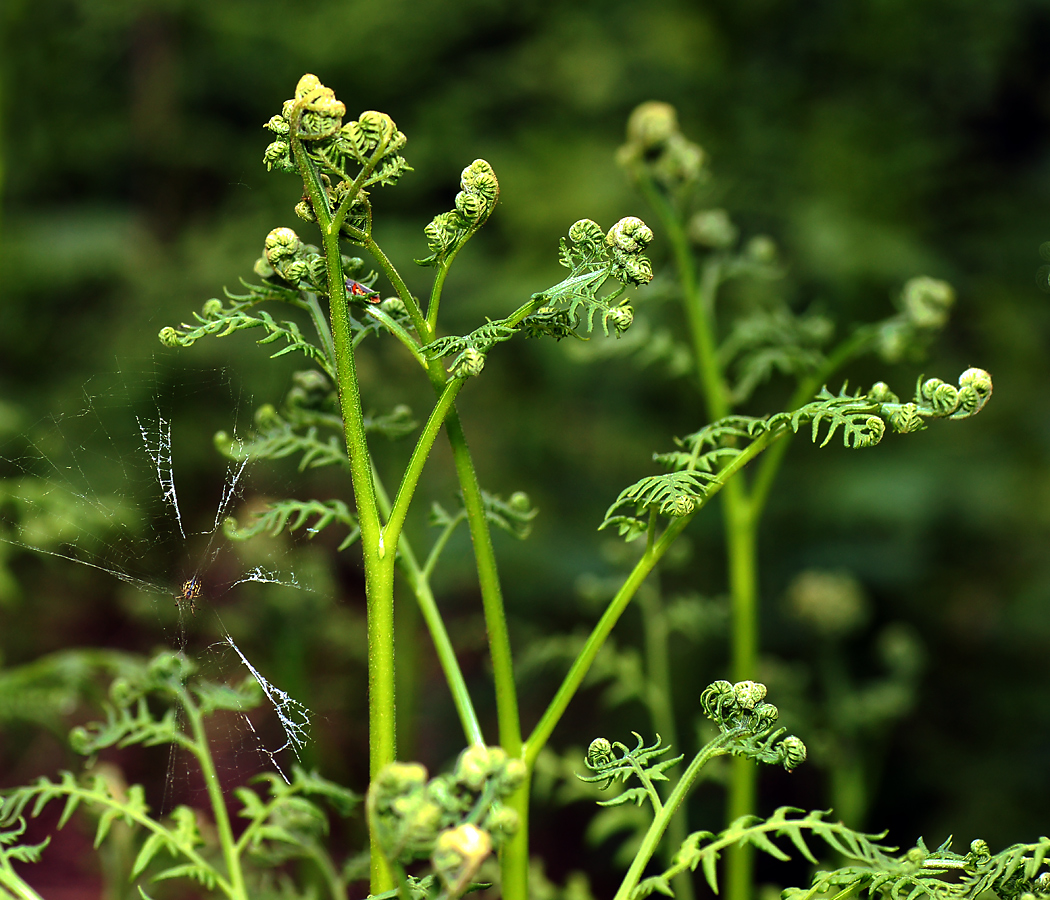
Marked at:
<point>291,515</point>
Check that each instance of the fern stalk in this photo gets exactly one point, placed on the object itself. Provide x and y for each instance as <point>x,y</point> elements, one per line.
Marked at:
<point>664,815</point>
<point>12,885</point>
<point>698,300</point>
<point>419,580</point>
<point>658,671</point>
<point>653,553</point>
<point>201,750</point>
<point>379,582</point>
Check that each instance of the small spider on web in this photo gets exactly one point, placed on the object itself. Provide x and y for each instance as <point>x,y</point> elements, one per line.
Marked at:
<point>69,485</point>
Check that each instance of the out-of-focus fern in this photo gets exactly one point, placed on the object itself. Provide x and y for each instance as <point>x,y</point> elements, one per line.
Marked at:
<point>283,822</point>
<point>291,515</point>
<point>299,427</point>
<point>513,515</point>
<point>771,340</point>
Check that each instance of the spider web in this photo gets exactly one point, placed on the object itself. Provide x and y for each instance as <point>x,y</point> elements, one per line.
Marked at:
<point>96,487</point>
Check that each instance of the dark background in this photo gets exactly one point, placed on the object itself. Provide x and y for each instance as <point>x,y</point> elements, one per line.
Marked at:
<point>874,140</point>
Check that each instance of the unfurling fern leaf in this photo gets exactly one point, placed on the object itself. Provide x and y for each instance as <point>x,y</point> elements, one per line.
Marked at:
<point>673,494</point>
<point>220,321</point>
<point>856,414</point>
<point>612,761</point>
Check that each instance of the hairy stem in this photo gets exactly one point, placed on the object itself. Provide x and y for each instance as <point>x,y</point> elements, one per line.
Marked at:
<point>12,883</point>
<point>392,274</point>
<point>405,491</point>
<point>379,582</point>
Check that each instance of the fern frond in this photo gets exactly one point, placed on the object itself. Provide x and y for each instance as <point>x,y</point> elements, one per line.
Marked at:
<point>221,321</point>
<point>723,432</point>
<point>513,515</point>
<point>471,349</point>
<point>282,434</point>
<point>704,849</point>
<point>611,761</point>
<point>262,293</point>
<point>673,494</point>
<point>856,414</point>
<point>938,875</point>
<point>291,515</point>
<point>711,461</point>
<point>19,852</point>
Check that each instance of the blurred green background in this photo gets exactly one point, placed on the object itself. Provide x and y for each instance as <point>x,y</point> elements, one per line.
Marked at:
<point>873,140</point>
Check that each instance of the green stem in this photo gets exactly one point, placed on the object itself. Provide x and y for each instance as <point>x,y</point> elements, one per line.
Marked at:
<point>324,333</point>
<point>514,856</point>
<point>419,581</point>
<point>409,481</point>
<point>767,470</point>
<point>202,751</point>
<point>491,589</point>
<point>658,682</point>
<point>394,277</point>
<point>379,582</point>
<point>740,524</point>
<point>315,852</point>
<point>600,633</point>
<point>397,331</point>
<point>664,816</point>
<point>435,292</point>
<point>441,542</point>
<point>653,553</point>
<point>11,881</point>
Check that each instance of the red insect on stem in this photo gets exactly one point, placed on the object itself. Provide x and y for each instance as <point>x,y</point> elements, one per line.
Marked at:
<point>356,289</point>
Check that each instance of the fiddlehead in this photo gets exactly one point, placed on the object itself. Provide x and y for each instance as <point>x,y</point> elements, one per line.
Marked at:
<point>1016,872</point>
<point>448,231</point>
<point>657,150</point>
<point>748,723</point>
<point>612,761</point>
<point>357,154</point>
<point>924,304</point>
<point>593,257</point>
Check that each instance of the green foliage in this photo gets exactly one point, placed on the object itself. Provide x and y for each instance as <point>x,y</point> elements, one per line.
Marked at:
<point>602,759</point>
<point>861,417</point>
<point>1018,871</point>
<point>593,257</point>
<point>703,848</point>
<point>221,321</point>
<point>291,515</point>
<point>284,820</point>
<point>455,821</point>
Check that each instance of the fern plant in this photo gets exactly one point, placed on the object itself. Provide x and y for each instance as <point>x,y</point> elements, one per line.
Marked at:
<point>428,837</point>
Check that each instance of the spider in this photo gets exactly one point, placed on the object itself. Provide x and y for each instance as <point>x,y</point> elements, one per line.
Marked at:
<point>189,592</point>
